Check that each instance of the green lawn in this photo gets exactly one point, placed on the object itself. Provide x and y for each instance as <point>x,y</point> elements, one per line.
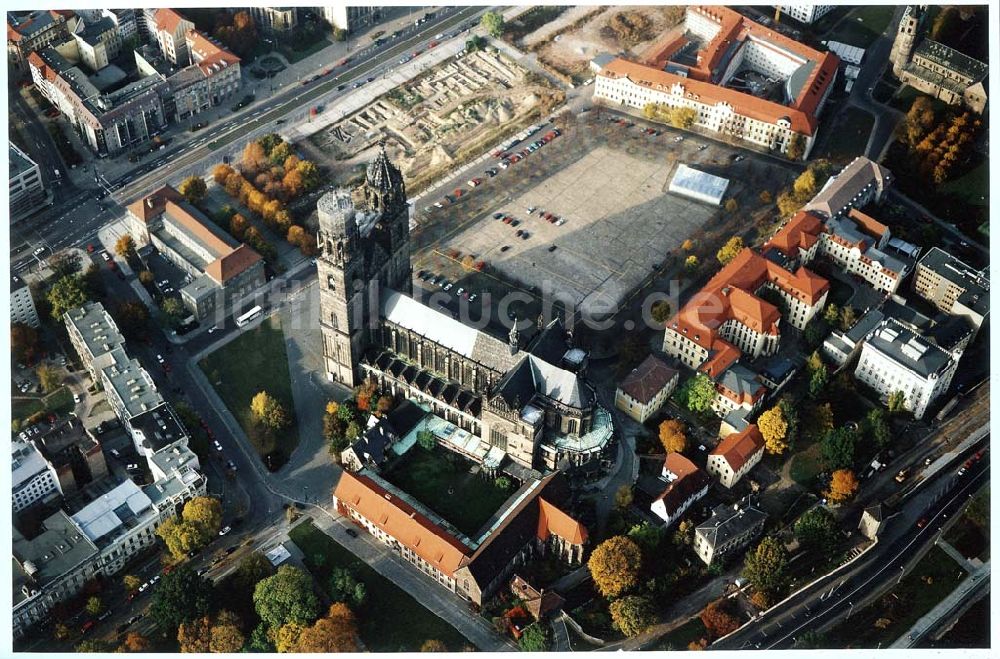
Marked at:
<point>390,620</point>
<point>930,581</point>
<point>254,362</point>
<point>861,33</point>
<point>806,465</point>
<point>441,481</point>
<point>293,55</point>
<point>973,187</point>
<point>967,536</point>
<point>59,402</point>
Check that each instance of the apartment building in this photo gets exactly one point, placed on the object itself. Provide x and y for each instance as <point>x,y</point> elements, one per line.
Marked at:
<point>695,70</point>
<point>529,524</point>
<point>860,183</point>
<point>110,117</point>
<point>953,286</point>
<point>856,243</point>
<point>126,22</point>
<point>170,31</point>
<point>22,305</point>
<point>94,335</point>
<point>33,478</point>
<point>736,455</point>
<point>27,191</point>
<point>275,19</point>
<point>728,530</point>
<point>34,30</point>
<point>98,43</point>
<point>351,18</point>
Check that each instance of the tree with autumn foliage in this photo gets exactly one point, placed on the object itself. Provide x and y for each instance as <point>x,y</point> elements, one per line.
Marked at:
<point>766,566</point>
<point>614,566</point>
<point>719,618</point>
<point>226,635</point>
<point>135,642</point>
<point>672,436</point>
<point>773,428</point>
<point>267,411</point>
<point>24,342</point>
<point>337,631</point>
<point>843,485</point>
<point>254,159</point>
<point>194,189</point>
<point>730,250</point>
<point>433,645</point>
<point>632,614</point>
<point>240,36</point>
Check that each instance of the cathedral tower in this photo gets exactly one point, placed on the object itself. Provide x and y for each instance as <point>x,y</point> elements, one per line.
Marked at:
<point>906,37</point>
<point>364,243</point>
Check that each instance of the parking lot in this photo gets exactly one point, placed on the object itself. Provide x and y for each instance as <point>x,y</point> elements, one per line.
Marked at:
<point>607,182</point>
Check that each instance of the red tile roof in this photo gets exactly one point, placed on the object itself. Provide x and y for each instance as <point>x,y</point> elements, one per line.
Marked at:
<point>168,20</point>
<point>232,264</point>
<point>867,223</point>
<point>800,232</point>
<point>209,56</point>
<point>648,379</point>
<point>401,521</point>
<point>229,261</point>
<point>709,94</point>
<point>738,447</point>
<point>553,521</point>
<point>699,85</point>
<point>690,479</point>
<point>729,295</point>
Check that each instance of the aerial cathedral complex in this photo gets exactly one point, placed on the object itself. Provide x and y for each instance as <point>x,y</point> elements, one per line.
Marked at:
<point>529,403</point>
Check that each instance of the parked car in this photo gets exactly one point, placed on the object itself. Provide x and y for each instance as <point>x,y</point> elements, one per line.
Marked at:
<point>224,530</point>
<point>351,532</point>
<point>902,475</point>
<point>552,248</point>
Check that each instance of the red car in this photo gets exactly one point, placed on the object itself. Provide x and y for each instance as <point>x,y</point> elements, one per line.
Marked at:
<point>432,44</point>
<point>922,523</point>
<point>90,248</point>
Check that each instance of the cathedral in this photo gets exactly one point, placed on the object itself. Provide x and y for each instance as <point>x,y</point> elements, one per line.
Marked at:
<point>528,402</point>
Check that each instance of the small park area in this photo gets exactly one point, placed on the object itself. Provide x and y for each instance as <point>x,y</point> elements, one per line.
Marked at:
<point>442,481</point>
<point>253,362</point>
<point>389,620</point>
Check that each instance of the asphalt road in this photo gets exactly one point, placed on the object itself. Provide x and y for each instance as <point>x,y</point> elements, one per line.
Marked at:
<point>836,597</point>
<point>75,219</point>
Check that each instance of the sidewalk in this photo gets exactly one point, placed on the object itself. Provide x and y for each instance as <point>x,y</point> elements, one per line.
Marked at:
<point>429,593</point>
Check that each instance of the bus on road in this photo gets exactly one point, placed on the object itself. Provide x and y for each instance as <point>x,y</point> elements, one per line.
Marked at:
<point>249,316</point>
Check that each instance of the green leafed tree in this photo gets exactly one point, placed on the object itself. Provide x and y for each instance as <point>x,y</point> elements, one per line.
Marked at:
<point>816,530</point>
<point>194,189</point>
<point>698,393</point>
<point>343,587</point>
<point>67,293</point>
<point>877,428</point>
<point>837,448</point>
<point>766,566</point>
<point>493,22</point>
<point>534,639</point>
<point>287,596</point>
<point>181,596</point>
<point>632,614</point>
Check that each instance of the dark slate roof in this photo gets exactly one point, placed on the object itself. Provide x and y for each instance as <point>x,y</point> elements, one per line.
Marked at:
<point>950,58</point>
<point>405,416</point>
<point>950,332</point>
<point>909,349</point>
<point>550,344</point>
<point>648,379</point>
<point>730,520</point>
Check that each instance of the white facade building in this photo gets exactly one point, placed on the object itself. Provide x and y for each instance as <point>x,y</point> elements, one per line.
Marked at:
<point>805,13</point>
<point>896,359</point>
<point>22,306</point>
<point>27,191</point>
<point>33,479</point>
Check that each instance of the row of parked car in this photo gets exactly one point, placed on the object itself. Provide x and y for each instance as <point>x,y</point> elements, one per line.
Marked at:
<point>442,282</point>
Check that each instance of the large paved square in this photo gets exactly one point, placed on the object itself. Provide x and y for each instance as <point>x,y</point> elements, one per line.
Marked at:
<point>620,222</point>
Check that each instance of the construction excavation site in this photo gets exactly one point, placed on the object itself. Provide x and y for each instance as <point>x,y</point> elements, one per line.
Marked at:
<point>436,121</point>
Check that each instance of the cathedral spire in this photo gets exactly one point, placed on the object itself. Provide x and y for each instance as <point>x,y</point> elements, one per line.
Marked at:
<point>512,338</point>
